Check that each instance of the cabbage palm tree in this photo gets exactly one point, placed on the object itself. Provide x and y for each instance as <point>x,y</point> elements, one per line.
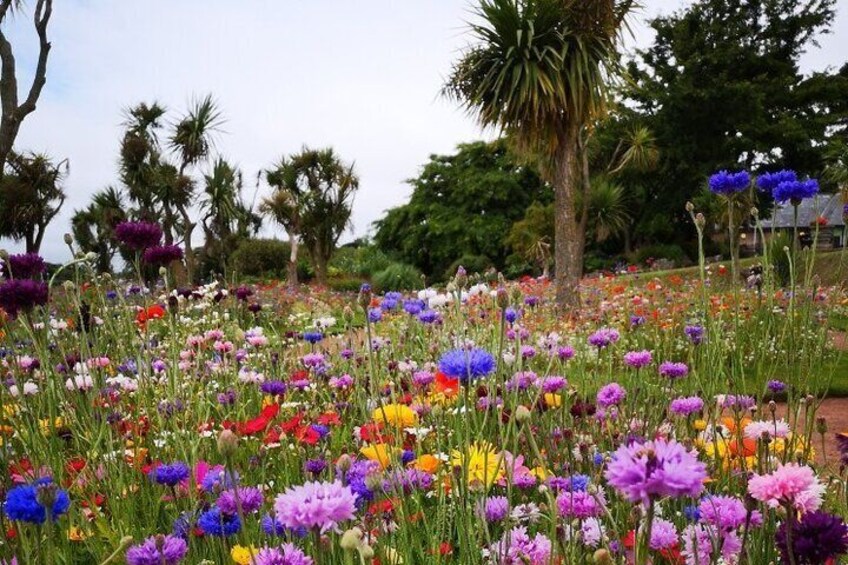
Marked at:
<point>539,71</point>
<point>93,227</point>
<point>192,140</point>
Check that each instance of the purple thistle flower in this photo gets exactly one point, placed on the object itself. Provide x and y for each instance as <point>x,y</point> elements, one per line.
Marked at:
<point>138,236</point>
<point>162,254</point>
<point>158,550</point>
<point>604,337</point>
<point>673,371</point>
<point>24,266</point>
<point>315,505</point>
<point>18,295</point>
<point>654,469</point>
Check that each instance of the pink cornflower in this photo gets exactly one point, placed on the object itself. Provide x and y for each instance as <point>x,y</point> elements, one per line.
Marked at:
<point>315,505</point>
<point>793,484</point>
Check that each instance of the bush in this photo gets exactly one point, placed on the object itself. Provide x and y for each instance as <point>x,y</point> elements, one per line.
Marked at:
<point>361,261</point>
<point>345,283</point>
<point>398,276</point>
<point>472,264</point>
<point>671,252</point>
<point>267,258</point>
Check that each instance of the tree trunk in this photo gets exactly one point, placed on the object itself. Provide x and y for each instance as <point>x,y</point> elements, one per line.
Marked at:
<point>568,246</point>
<point>292,268</point>
<point>321,269</point>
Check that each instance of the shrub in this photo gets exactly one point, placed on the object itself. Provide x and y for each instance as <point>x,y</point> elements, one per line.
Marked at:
<point>267,258</point>
<point>398,276</point>
<point>345,283</point>
<point>362,261</point>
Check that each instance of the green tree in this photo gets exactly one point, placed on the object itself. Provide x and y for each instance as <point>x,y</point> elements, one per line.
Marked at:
<point>313,200</point>
<point>540,71</point>
<point>31,195</point>
<point>93,227</point>
<point>721,88</point>
<point>461,205</point>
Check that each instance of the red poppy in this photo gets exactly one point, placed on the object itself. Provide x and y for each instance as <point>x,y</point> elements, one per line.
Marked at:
<point>260,423</point>
<point>329,419</point>
<point>446,385</point>
<point>154,312</point>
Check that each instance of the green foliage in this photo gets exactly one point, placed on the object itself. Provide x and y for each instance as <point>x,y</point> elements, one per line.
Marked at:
<point>93,227</point>
<point>780,264</point>
<point>362,261</point>
<point>398,276</point>
<point>345,283</point>
<point>31,195</point>
<point>261,257</point>
<point>461,204</point>
<point>721,88</point>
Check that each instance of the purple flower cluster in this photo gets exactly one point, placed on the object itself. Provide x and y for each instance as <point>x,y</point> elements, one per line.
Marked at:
<point>638,359</point>
<point>695,334</point>
<point>162,254</point>
<point>138,236</point>
<point>158,550</point>
<point>673,370</point>
<point>604,337</point>
<point>686,406</point>
<point>610,395</point>
<point>767,182</point>
<point>24,266</point>
<point>727,183</point>
<point>795,191</point>
<point>817,537</point>
<point>22,295</point>
<point>315,505</point>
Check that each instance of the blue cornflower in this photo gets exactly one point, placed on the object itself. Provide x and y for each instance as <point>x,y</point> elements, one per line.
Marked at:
<point>375,315</point>
<point>727,183</point>
<point>413,306</point>
<point>271,526</point>
<point>23,504</point>
<point>511,315</point>
<point>579,482</point>
<point>219,479</point>
<point>313,336</point>
<point>692,513</point>
<point>182,525</point>
<point>408,456</point>
<point>598,459</point>
<point>467,364</point>
<point>171,474</point>
<point>768,182</point>
<point>795,191</point>
<point>428,316</point>
<point>215,523</point>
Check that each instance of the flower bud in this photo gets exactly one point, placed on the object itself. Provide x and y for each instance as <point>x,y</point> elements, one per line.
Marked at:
<point>690,207</point>
<point>602,557</point>
<point>351,539</point>
<point>461,277</point>
<point>343,463</point>
<point>69,286</point>
<point>700,220</point>
<point>69,239</point>
<point>522,414</point>
<point>755,212</point>
<point>821,425</point>
<point>227,443</point>
<point>366,552</point>
<point>501,298</point>
<point>365,295</point>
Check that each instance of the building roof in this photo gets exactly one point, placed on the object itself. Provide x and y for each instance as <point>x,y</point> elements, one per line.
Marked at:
<point>828,206</point>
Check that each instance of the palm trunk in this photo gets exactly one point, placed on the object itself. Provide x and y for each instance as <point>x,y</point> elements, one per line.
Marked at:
<point>568,247</point>
<point>292,269</point>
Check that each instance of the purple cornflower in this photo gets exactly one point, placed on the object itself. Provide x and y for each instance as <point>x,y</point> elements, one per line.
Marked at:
<point>739,402</point>
<point>521,381</point>
<point>287,554</point>
<point>18,295</point>
<point>695,334</point>
<point>413,306</point>
<point>271,526</point>
<point>604,337</point>
<point>213,522</point>
<point>516,546</point>
<point>138,236</point>
<point>171,474</point>
<point>26,503</point>
<point>673,370</point>
<point>727,183</point>
<point>817,537</point>
<point>511,315</point>
<point>344,381</point>
<point>465,365</point>
<point>315,466</point>
<point>158,550</point>
<point>663,535</point>
<point>428,316</point>
<point>636,321</point>
<point>243,293</point>
<point>375,315</point>
<point>408,481</point>
<point>638,359</point>
<point>422,378</point>
<point>249,498</point>
<point>767,182</point>
<point>312,336</point>
<point>274,388</point>
<point>565,353</point>
<point>686,405</point>
<point>162,254</point>
<point>776,387</point>
<point>646,471</point>
<point>315,505</point>
<point>24,266</point>
<point>580,504</point>
<point>217,478</point>
<point>610,395</point>
<point>723,512</point>
<point>493,509</point>
<point>552,383</point>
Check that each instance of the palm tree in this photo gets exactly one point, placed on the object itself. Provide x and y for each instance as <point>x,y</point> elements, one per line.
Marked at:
<point>31,195</point>
<point>313,201</point>
<point>609,209</point>
<point>93,227</point>
<point>539,72</point>
<point>226,218</point>
<point>192,140</point>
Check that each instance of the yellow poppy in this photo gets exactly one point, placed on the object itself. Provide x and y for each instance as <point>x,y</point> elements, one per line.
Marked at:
<point>243,555</point>
<point>379,452</point>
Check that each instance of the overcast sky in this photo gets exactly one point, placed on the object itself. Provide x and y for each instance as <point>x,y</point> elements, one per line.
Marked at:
<point>362,76</point>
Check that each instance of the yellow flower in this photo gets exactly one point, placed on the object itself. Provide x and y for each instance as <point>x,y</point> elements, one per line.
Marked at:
<point>76,534</point>
<point>540,473</point>
<point>482,464</point>
<point>427,463</point>
<point>379,452</point>
<point>553,400</point>
<point>243,555</point>
<point>47,428</point>
<point>396,414</point>
<point>700,425</point>
<point>10,410</point>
